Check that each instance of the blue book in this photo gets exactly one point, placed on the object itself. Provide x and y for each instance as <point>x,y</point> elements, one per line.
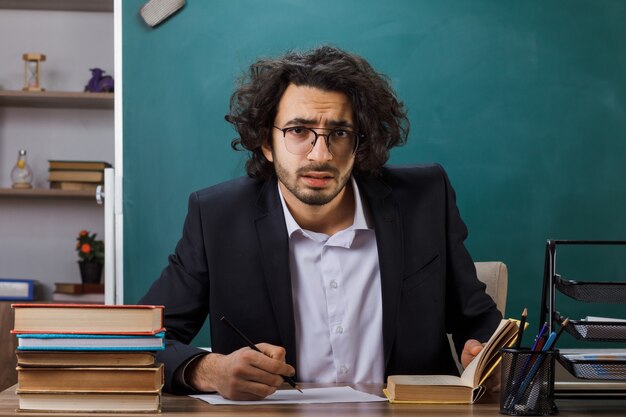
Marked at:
<point>17,289</point>
<point>92,342</point>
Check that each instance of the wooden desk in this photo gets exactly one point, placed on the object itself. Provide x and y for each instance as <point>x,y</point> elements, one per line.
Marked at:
<point>190,407</point>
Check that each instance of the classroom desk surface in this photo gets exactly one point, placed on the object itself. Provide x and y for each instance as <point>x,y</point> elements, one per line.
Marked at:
<point>185,406</point>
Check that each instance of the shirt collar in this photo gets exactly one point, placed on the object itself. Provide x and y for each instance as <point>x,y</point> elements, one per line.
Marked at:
<point>359,223</point>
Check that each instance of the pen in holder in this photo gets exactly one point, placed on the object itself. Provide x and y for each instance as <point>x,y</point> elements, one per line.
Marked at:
<point>527,382</point>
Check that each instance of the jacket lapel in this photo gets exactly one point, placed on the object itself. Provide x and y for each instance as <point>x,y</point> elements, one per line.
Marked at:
<point>385,215</point>
<point>274,244</point>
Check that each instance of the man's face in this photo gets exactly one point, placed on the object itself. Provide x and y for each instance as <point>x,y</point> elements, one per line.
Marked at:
<point>318,177</point>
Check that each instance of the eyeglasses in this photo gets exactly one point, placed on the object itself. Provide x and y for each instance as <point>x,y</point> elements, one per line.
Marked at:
<point>301,140</point>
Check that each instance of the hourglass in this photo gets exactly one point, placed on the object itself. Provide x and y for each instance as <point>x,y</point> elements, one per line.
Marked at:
<point>31,71</point>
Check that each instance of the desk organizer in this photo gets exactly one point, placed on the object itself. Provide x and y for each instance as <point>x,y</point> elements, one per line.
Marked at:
<point>607,292</point>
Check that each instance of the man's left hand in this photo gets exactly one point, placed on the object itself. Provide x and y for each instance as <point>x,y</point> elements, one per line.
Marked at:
<point>470,350</point>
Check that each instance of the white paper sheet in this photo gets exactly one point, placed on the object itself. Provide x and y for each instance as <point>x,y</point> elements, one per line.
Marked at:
<point>307,396</point>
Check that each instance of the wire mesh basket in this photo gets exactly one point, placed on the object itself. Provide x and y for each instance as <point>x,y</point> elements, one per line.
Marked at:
<point>593,292</point>
<point>600,331</point>
<point>598,369</point>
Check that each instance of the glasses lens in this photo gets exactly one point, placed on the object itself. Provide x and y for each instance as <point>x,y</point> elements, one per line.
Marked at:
<point>342,143</point>
<point>299,140</point>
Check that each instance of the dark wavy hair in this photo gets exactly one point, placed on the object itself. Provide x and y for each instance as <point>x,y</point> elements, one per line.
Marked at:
<point>378,115</point>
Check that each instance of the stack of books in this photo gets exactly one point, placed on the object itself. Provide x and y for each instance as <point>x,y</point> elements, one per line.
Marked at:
<point>68,292</point>
<point>76,175</point>
<point>88,357</point>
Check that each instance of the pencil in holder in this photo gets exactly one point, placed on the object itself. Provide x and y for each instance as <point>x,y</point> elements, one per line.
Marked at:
<point>527,382</point>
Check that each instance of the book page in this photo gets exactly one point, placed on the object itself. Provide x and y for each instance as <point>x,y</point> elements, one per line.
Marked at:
<point>468,374</point>
<point>429,380</point>
<point>472,374</point>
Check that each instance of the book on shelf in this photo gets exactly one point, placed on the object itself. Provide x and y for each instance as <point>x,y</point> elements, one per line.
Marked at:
<point>67,292</point>
<point>88,319</point>
<point>73,341</point>
<point>76,176</point>
<point>78,298</point>
<point>65,358</point>
<point>88,402</point>
<point>17,289</point>
<point>451,389</point>
<point>74,186</point>
<point>55,164</point>
<point>119,379</point>
<point>76,288</point>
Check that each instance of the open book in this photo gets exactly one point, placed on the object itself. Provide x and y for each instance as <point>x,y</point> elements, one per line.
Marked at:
<point>451,389</point>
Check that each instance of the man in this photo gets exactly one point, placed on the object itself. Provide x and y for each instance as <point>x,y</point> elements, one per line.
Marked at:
<point>338,267</point>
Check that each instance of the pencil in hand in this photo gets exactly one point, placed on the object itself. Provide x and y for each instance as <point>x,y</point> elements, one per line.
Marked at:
<point>251,345</point>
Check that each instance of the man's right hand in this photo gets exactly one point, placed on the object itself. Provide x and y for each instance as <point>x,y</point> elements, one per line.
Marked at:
<point>244,374</point>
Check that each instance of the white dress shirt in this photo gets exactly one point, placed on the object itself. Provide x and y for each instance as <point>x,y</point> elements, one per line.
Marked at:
<point>337,301</point>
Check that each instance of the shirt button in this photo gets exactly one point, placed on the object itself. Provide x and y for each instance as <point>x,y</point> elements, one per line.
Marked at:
<point>343,369</point>
<point>333,284</point>
<point>338,329</point>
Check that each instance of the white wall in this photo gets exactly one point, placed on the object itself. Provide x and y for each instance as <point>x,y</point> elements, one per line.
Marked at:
<point>37,236</point>
<point>73,42</point>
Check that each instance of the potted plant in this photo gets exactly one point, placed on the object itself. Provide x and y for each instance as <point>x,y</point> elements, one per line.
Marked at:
<point>91,256</point>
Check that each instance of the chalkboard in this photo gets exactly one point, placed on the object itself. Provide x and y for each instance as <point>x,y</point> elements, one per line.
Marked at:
<point>524,103</point>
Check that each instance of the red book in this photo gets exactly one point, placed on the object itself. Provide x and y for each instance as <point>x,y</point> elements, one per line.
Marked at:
<point>88,319</point>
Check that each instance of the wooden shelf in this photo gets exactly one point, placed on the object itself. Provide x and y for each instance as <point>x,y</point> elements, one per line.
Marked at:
<point>56,99</point>
<point>69,5</point>
<point>47,193</point>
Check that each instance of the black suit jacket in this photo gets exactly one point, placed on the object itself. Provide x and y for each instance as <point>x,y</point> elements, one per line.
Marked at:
<point>233,261</point>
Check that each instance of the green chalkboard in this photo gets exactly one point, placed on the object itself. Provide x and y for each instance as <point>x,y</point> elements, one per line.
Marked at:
<point>524,103</point>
